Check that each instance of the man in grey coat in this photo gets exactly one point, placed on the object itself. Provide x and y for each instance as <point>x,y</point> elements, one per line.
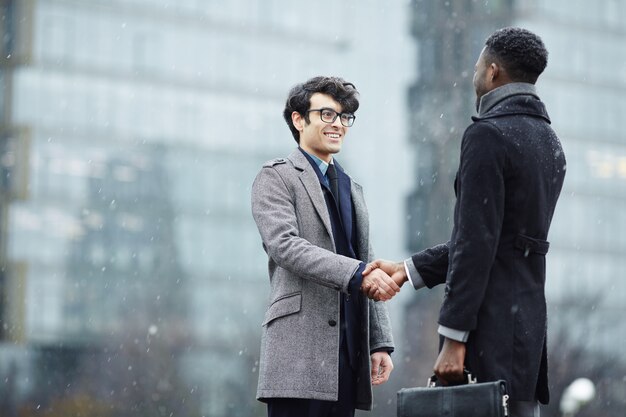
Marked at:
<point>324,343</point>
<point>493,318</point>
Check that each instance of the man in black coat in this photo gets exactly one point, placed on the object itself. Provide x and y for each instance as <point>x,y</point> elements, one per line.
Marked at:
<point>493,318</point>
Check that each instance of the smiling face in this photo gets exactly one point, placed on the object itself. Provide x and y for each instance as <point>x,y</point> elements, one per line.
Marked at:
<point>317,137</point>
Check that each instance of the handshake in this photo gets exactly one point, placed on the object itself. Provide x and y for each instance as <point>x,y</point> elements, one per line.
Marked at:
<point>383,279</point>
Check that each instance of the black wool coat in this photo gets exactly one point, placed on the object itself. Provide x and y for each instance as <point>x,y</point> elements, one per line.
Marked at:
<point>510,176</point>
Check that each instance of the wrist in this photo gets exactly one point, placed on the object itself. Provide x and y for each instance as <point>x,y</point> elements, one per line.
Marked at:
<point>453,344</point>
<point>401,272</point>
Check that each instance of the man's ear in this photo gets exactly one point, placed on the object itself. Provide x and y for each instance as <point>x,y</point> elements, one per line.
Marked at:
<point>494,69</point>
<point>298,121</point>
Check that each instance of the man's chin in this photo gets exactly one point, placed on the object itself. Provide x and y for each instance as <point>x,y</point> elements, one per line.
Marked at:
<point>334,149</point>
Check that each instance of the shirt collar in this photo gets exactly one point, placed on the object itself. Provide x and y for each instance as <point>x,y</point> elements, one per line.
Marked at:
<point>322,165</point>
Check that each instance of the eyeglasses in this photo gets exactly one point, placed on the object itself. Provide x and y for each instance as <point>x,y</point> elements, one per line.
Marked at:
<point>329,116</point>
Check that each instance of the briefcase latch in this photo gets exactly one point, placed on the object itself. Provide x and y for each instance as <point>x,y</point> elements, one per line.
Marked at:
<point>505,404</point>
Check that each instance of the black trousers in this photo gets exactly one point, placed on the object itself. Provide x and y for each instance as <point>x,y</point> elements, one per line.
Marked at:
<point>344,407</point>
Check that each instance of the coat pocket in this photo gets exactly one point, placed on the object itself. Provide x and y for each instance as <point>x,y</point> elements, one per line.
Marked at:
<point>284,306</point>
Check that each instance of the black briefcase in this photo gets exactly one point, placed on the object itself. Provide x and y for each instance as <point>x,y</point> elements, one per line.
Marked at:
<point>488,399</point>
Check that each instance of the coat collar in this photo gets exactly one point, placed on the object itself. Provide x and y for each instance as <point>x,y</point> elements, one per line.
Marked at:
<point>498,94</point>
<point>511,99</point>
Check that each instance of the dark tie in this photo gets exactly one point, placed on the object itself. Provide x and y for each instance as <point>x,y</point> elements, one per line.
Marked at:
<point>333,181</point>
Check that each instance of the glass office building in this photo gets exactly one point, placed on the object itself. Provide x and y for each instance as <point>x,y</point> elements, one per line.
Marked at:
<point>133,281</point>
<point>132,277</point>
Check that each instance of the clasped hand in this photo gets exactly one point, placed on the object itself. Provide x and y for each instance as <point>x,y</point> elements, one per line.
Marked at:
<point>382,279</point>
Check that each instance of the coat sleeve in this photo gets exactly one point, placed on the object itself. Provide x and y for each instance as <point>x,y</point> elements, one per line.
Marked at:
<point>432,264</point>
<point>478,217</point>
<point>274,212</point>
<point>381,337</point>
<point>380,326</point>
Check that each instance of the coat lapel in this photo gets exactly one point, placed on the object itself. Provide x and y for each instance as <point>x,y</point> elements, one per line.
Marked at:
<point>312,185</point>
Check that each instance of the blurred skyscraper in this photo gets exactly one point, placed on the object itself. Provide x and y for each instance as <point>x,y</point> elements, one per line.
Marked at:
<point>133,279</point>
<point>584,88</point>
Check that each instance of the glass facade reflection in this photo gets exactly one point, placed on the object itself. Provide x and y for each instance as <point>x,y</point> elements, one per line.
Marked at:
<point>133,278</point>
<point>585,90</point>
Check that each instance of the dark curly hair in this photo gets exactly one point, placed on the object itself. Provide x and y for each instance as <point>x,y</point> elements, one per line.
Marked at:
<point>522,53</point>
<point>299,98</point>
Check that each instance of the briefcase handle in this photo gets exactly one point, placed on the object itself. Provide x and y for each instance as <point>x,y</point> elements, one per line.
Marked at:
<point>467,379</point>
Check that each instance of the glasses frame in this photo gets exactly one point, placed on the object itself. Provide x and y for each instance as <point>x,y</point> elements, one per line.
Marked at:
<point>348,123</point>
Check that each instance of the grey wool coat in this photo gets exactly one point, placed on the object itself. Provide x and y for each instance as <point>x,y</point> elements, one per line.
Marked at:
<point>300,342</point>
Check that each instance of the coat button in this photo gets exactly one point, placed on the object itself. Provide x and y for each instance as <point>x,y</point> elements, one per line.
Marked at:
<point>332,323</point>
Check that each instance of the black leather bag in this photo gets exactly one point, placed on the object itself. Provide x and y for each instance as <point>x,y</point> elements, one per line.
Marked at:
<point>488,399</point>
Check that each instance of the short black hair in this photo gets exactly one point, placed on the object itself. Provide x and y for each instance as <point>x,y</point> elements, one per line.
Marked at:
<point>522,53</point>
<point>299,98</point>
